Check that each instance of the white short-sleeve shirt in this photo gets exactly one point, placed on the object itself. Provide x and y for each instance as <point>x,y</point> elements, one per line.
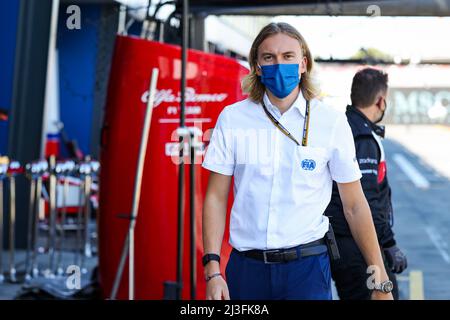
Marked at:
<point>281,190</point>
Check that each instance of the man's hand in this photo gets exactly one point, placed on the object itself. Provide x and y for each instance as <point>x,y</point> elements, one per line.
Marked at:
<point>396,259</point>
<point>378,295</point>
<point>217,289</point>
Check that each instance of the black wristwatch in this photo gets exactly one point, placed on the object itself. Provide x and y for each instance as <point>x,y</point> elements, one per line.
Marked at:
<point>385,287</point>
<point>210,256</point>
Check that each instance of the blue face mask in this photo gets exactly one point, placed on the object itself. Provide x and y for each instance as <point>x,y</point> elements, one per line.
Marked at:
<point>280,79</point>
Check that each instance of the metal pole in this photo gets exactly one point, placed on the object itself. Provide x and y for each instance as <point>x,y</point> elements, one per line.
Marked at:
<point>87,252</point>
<point>87,216</point>
<point>34,262</point>
<point>146,24</point>
<point>138,181</point>
<point>2,277</point>
<point>184,43</point>
<point>31,211</point>
<point>123,259</point>
<point>128,248</point>
<point>3,174</point>
<point>78,242</point>
<point>52,208</point>
<point>193,218</point>
<point>12,227</point>
<point>122,20</point>
<point>62,223</point>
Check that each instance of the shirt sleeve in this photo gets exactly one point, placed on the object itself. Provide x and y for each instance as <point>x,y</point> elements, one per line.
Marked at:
<point>219,155</point>
<point>343,165</point>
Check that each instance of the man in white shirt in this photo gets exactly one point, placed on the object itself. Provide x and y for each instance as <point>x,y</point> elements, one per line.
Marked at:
<point>284,148</point>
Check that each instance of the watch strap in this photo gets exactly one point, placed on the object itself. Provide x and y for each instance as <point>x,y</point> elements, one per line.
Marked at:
<point>210,257</point>
<point>381,286</point>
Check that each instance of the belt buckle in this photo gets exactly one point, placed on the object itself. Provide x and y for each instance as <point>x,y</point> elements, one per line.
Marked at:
<point>265,255</point>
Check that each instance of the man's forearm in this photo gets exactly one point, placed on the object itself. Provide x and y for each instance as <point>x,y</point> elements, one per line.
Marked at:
<point>362,228</point>
<point>214,219</point>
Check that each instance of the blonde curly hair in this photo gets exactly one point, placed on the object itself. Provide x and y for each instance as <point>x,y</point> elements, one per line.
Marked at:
<point>252,85</point>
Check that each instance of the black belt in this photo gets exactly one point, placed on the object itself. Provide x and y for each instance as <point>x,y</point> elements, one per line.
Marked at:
<point>285,255</point>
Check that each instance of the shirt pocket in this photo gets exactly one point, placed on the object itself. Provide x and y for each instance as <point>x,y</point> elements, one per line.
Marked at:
<point>310,165</point>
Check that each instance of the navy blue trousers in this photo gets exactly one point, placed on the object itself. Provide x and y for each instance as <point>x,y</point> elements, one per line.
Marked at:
<point>307,278</point>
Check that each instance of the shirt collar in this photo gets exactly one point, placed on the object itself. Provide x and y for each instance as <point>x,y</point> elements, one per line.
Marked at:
<point>299,104</point>
<point>378,129</point>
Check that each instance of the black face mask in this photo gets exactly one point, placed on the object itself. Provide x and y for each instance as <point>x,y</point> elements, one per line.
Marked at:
<point>382,113</point>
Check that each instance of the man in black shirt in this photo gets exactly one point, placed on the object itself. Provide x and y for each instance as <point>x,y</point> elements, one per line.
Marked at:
<point>368,95</point>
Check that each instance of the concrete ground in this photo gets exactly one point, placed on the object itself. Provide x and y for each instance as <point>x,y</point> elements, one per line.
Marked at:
<point>418,159</point>
<point>75,273</point>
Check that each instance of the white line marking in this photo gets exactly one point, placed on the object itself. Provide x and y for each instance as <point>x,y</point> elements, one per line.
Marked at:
<point>438,242</point>
<point>416,285</point>
<point>197,120</point>
<point>413,174</point>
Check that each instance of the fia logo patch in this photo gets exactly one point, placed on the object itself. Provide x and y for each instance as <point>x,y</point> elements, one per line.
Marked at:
<point>308,164</point>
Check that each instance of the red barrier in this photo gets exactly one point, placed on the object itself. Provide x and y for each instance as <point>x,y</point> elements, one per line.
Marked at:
<point>212,83</point>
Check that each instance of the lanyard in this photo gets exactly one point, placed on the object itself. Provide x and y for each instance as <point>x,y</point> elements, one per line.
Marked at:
<point>285,131</point>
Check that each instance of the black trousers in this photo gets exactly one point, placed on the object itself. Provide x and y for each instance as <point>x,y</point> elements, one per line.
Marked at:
<point>350,272</point>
